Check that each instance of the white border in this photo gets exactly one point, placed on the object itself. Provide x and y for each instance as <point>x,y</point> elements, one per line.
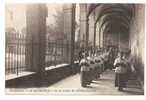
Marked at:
<point>76,1</point>
<point>38,97</point>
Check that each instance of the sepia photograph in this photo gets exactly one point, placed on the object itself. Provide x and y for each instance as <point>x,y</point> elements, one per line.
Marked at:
<point>74,48</point>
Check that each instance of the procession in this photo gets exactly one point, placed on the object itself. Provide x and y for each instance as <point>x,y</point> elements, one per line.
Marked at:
<point>75,48</point>
<point>94,63</point>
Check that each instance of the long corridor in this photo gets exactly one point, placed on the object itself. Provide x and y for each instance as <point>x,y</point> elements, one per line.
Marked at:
<point>103,86</point>
<point>46,54</point>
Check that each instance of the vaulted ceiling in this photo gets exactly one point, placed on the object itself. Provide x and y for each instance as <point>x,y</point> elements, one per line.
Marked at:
<point>114,18</point>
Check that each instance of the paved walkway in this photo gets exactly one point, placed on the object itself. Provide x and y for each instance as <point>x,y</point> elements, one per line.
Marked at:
<point>71,86</point>
<point>103,86</point>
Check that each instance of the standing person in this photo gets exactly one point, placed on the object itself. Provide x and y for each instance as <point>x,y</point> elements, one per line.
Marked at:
<point>111,58</point>
<point>81,55</point>
<point>130,67</point>
<point>84,71</point>
<point>120,72</point>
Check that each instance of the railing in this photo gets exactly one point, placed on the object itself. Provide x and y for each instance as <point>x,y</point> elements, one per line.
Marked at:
<point>15,53</point>
<point>56,52</point>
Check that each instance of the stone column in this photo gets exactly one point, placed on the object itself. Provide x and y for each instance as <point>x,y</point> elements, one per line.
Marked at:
<point>69,29</point>
<point>36,30</point>
<point>83,25</point>
<point>91,29</point>
<point>97,34</point>
<point>101,39</point>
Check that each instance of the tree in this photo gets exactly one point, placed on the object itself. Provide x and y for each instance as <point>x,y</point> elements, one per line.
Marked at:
<point>10,30</point>
<point>10,33</point>
<point>59,24</point>
<point>56,31</point>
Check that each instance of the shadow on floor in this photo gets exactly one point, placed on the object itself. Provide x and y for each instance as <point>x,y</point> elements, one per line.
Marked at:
<point>90,87</point>
<point>45,79</point>
<point>105,79</point>
<point>94,82</point>
<point>134,91</point>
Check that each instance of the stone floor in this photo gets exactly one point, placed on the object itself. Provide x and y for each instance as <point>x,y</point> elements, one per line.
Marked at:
<point>71,86</point>
<point>103,86</point>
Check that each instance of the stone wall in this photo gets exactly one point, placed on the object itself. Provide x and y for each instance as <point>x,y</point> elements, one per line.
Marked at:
<point>137,40</point>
